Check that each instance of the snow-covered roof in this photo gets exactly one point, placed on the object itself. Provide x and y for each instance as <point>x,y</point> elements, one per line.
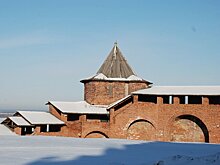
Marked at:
<point>117,102</point>
<point>20,121</point>
<point>181,90</point>
<point>101,76</point>
<point>81,107</point>
<point>36,117</point>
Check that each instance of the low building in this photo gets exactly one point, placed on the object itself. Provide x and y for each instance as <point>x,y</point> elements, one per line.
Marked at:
<point>34,123</point>
<point>18,125</point>
<point>80,116</point>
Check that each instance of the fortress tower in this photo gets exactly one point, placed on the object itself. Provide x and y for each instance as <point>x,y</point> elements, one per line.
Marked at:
<point>114,80</point>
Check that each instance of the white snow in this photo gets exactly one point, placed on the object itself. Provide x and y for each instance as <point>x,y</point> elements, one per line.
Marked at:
<point>36,117</point>
<point>39,150</point>
<point>81,107</point>
<point>180,90</point>
<point>5,131</point>
<point>19,121</point>
<point>101,76</point>
<point>134,77</point>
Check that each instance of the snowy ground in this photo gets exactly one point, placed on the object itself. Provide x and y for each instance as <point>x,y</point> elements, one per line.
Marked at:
<point>38,150</point>
<point>5,131</point>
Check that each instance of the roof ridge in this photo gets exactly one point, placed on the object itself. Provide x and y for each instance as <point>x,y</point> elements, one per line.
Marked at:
<point>115,65</point>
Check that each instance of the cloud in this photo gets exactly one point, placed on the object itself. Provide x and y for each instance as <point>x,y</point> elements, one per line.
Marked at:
<point>24,40</point>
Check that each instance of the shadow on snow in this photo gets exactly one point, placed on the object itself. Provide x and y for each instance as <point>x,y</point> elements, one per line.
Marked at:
<point>152,153</point>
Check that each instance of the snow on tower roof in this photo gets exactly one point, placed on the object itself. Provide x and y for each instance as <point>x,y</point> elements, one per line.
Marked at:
<point>101,76</point>
<point>36,117</point>
<point>20,121</point>
<point>81,107</point>
<point>181,90</point>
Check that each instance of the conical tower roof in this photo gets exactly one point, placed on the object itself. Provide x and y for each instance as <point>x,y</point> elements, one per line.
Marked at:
<point>115,68</point>
<point>115,65</point>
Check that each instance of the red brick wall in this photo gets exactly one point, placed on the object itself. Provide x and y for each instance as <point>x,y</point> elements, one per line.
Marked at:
<point>17,130</point>
<point>186,130</point>
<point>105,93</point>
<point>150,121</point>
<point>95,135</point>
<point>54,111</point>
<point>163,122</point>
<point>71,129</point>
<point>79,128</point>
<point>95,129</point>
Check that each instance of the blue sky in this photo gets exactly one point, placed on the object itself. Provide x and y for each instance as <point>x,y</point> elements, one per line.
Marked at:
<point>48,46</point>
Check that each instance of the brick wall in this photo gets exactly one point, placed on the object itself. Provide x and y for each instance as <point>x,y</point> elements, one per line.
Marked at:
<point>167,122</point>
<point>54,111</point>
<point>92,129</point>
<point>17,130</point>
<point>71,129</point>
<point>141,120</point>
<point>105,93</point>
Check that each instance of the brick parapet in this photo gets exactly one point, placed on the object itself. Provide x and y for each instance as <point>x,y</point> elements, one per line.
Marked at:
<point>163,116</point>
<point>205,100</point>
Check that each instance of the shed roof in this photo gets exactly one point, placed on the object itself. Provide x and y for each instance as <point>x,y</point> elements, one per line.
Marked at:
<point>181,90</point>
<point>20,121</point>
<point>36,117</point>
<point>81,107</point>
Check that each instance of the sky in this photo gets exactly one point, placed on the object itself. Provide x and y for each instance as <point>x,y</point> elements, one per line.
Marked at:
<point>48,46</point>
